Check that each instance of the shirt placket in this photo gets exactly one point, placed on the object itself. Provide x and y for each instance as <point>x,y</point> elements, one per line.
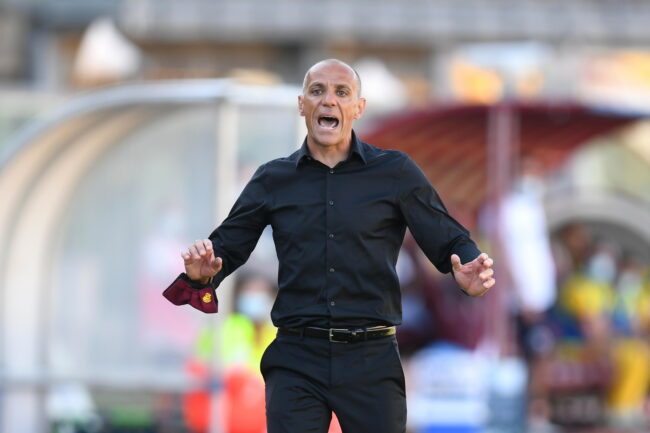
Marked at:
<point>331,264</point>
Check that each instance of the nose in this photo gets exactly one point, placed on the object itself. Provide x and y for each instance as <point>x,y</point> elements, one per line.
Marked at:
<point>329,98</point>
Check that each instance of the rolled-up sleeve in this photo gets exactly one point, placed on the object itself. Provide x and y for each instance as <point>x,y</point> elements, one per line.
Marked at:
<point>436,232</point>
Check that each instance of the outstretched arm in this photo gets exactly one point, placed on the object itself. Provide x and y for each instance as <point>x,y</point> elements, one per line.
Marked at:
<point>438,234</point>
<point>475,277</point>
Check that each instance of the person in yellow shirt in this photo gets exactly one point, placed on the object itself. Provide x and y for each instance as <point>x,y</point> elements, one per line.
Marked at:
<point>630,351</point>
<point>612,307</point>
<point>248,331</point>
<point>244,337</point>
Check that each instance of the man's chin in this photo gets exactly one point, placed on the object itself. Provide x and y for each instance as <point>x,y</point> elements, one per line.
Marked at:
<point>327,138</point>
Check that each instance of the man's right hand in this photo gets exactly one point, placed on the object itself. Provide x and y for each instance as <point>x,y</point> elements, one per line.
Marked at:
<point>200,262</point>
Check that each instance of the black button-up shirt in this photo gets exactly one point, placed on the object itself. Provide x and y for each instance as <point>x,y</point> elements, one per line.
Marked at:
<point>338,232</point>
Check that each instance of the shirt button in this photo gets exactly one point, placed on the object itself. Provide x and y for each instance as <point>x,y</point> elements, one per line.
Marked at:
<point>332,303</point>
<point>331,170</point>
<point>331,236</point>
<point>331,269</point>
<point>331,202</point>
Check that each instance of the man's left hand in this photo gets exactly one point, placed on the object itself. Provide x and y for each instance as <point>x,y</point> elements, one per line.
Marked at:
<point>474,277</point>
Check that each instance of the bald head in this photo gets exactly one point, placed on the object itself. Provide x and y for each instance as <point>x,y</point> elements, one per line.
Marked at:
<point>326,62</point>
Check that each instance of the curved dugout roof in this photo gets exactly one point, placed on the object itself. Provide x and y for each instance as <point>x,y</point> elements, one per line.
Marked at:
<point>41,166</point>
<point>154,96</point>
<point>451,143</point>
<point>121,110</point>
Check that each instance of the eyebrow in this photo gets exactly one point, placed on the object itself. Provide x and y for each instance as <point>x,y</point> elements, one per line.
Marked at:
<point>338,86</point>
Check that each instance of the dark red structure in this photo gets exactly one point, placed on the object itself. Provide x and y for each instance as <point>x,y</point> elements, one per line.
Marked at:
<point>454,144</point>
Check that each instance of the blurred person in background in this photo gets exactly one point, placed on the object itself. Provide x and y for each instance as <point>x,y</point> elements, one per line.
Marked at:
<point>602,318</point>
<point>524,231</point>
<point>631,351</point>
<point>339,209</point>
<point>587,295</point>
<point>247,332</point>
<point>245,335</point>
<point>573,249</point>
<point>523,228</point>
<point>243,338</point>
<point>580,370</point>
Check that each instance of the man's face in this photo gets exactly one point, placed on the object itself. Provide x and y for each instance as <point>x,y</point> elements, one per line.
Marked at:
<point>330,103</point>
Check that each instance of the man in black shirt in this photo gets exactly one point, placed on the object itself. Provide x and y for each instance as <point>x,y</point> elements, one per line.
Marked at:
<point>339,209</point>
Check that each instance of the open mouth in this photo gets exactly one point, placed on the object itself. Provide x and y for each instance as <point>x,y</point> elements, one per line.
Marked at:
<point>328,122</point>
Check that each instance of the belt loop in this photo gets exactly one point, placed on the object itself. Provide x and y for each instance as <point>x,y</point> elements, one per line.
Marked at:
<point>365,333</point>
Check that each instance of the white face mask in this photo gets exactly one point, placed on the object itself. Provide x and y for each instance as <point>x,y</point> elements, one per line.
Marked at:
<point>255,305</point>
<point>602,268</point>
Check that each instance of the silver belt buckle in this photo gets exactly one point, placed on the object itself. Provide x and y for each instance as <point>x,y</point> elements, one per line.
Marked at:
<point>331,335</point>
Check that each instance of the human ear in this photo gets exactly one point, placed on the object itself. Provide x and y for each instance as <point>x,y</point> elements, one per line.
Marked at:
<point>300,106</point>
<point>361,107</point>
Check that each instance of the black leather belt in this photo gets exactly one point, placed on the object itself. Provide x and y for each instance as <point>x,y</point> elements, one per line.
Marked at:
<point>340,335</point>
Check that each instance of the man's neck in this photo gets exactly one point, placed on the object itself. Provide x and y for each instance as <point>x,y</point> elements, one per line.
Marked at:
<point>329,155</point>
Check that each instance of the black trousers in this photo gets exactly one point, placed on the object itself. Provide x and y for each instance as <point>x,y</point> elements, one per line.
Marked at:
<point>307,378</point>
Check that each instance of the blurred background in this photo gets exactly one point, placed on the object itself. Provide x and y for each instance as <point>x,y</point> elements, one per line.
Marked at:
<point>128,127</point>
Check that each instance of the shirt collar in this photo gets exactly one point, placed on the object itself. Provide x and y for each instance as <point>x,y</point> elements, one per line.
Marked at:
<point>356,146</point>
